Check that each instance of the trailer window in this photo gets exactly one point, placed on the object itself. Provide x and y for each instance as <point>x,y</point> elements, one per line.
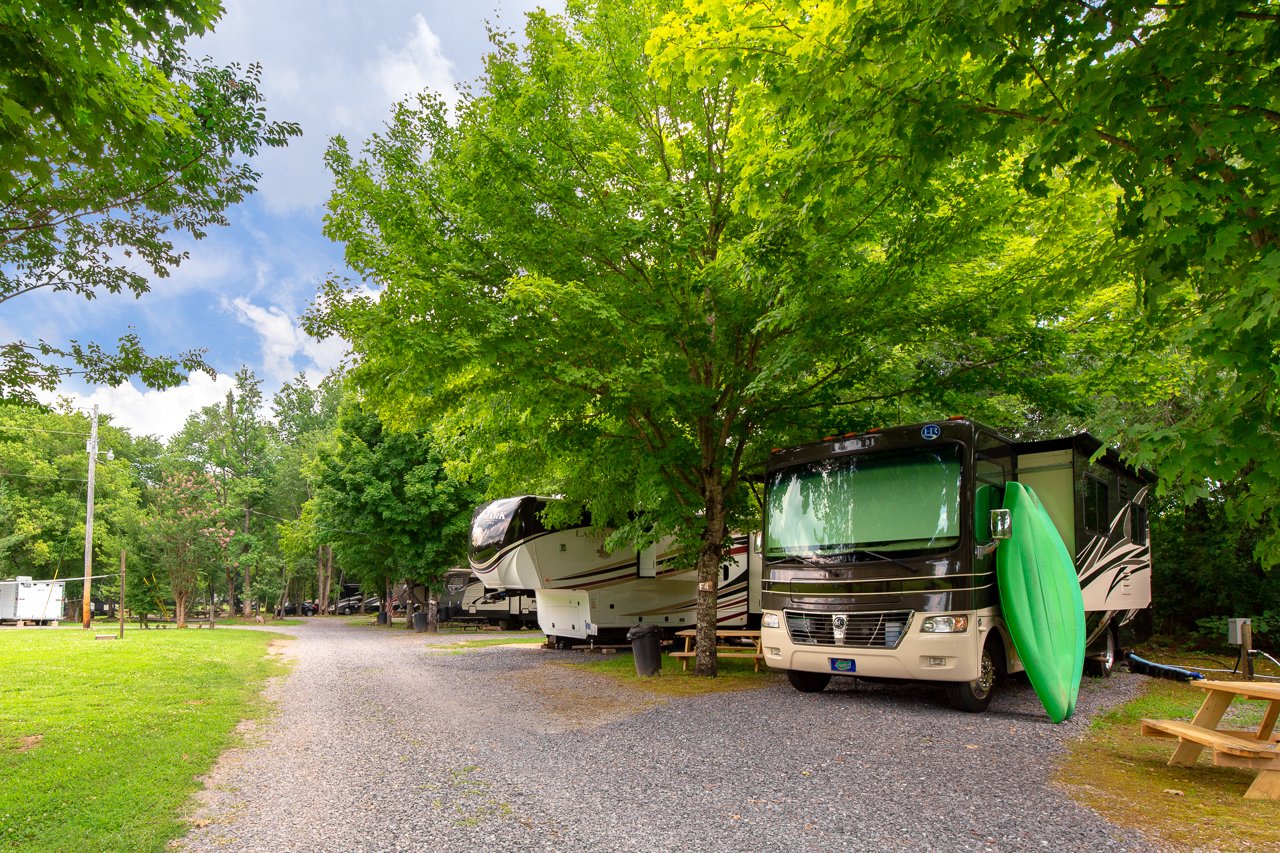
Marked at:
<point>1138,521</point>
<point>900,501</point>
<point>1096,517</point>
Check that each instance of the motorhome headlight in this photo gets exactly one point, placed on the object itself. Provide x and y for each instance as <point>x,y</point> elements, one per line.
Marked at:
<point>944,624</point>
<point>771,620</point>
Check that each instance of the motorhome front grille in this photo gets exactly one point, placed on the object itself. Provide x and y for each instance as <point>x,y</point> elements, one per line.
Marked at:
<point>864,630</point>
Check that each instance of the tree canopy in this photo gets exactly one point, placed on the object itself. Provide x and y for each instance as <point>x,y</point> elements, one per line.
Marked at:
<point>589,287</point>
<point>112,140</point>
<point>1176,106</point>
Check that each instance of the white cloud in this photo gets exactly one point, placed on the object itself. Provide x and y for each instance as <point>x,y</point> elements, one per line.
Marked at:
<point>283,340</point>
<point>417,65</point>
<point>147,412</point>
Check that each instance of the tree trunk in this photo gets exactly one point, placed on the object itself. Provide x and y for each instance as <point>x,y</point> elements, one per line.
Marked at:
<point>433,611</point>
<point>248,567</point>
<point>321,596</point>
<point>231,590</point>
<point>710,556</point>
<point>328,577</point>
<point>180,610</point>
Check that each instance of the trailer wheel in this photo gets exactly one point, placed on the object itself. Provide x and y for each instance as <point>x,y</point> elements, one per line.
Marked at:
<point>808,682</point>
<point>1102,665</point>
<point>974,696</point>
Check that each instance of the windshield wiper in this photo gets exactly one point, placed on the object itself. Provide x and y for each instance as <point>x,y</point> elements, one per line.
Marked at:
<point>886,558</point>
<point>801,558</point>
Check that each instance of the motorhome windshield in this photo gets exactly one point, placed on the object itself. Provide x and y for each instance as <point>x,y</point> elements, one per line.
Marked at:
<point>886,502</point>
<point>492,527</point>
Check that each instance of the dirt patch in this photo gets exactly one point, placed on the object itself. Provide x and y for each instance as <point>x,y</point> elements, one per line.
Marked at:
<point>583,700</point>
<point>25,744</point>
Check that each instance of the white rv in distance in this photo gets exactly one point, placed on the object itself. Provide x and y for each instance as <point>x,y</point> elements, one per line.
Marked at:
<point>26,600</point>
<point>466,597</point>
<point>586,593</point>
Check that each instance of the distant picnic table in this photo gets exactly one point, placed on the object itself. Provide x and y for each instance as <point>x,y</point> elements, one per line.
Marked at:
<point>725,647</point>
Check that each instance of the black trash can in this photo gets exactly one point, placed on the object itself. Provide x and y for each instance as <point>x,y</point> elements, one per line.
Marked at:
<point>382,618</point>
<point>420,622</point>
<point>646,649</point>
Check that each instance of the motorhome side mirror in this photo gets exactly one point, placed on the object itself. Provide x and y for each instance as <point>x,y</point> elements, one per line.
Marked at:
<point>1001,524</point>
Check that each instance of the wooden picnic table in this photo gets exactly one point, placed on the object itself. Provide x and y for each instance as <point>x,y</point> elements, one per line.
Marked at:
<point>725,648</point>
<point>1248,748</point>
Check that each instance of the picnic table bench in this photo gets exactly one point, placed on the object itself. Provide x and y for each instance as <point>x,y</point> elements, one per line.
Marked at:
<point>1257,749</point>
<point>725,647</point>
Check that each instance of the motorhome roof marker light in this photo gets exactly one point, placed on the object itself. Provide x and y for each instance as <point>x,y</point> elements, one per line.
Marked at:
<point>956,418</point>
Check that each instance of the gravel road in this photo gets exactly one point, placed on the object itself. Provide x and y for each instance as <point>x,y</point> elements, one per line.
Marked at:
<point>388,741</point>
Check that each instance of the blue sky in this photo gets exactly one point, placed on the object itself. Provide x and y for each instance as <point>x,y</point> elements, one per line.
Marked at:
<point>336,68</point>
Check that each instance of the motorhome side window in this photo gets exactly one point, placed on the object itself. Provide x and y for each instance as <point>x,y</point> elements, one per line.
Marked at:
<point>1138,521</point>
<point>1096,518</point>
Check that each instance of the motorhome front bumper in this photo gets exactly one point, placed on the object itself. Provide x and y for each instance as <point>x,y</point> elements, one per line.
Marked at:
<point>878,645</point>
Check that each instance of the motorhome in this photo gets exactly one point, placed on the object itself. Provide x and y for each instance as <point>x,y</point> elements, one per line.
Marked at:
<point>586,592</point>
<point>880,560</point>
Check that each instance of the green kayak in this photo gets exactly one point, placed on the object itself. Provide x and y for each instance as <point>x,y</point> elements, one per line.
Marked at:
<point>1040,596</point>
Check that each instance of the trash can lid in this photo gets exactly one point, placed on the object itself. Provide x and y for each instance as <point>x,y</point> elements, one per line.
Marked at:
<point>642,630</point>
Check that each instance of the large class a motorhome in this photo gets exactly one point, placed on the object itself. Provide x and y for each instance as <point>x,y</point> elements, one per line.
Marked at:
<point>880,561</point>
<point>585,592</point>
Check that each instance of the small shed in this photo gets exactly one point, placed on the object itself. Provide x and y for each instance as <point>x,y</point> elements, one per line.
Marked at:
<point>27,600</point>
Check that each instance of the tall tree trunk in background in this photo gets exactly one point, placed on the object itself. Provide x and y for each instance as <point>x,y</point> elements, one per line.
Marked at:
<point>231,587</point>
<point>433,611</point>
<point>248,567</point>
<point>322,594</point>
<point>328,573</point>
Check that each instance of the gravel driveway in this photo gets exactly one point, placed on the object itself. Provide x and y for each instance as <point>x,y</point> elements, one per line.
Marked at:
<point>388,741</point>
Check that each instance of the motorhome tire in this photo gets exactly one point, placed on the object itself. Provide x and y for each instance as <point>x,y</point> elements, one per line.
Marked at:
<point>563,643</point>
<point>808,682</point>
<point>974,696</point>
<point>346,611</point>
<point>1103,664</point>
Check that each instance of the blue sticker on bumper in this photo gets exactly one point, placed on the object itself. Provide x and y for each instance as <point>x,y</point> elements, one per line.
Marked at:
<point>844,665</point>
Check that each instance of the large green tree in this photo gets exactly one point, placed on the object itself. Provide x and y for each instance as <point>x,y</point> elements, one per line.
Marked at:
<point>112,141</point>
<point>1176,105</point>
<point>186,535</point>
<point>385,503</point>
<point>233,442</point>
<point>591,286</point>
<point>43,482</point>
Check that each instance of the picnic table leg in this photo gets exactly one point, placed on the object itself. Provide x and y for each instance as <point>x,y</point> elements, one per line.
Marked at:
<point>1210,714</point>
<point>1268,724</point>
<point>1265,787</point>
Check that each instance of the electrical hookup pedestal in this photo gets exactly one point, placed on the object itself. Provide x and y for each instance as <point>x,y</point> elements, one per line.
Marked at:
<point>1240,633</point>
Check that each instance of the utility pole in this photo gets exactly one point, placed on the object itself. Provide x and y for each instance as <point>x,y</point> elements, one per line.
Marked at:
<point>87,612</point>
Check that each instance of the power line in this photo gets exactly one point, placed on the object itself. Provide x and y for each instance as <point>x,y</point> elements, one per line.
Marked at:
<point>34,477</point>
<point>40,429</point>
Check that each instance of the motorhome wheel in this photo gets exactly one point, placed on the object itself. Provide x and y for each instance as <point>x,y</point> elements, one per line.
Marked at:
<point>975,696</point>
<point>808,682</point>
<point>1102,665</point>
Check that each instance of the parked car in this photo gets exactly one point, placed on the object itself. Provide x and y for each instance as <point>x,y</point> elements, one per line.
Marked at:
<point>307,608</point>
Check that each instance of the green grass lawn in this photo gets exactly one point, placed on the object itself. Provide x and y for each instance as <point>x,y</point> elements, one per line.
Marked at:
<point>733,674</point>
<point>103,741</point>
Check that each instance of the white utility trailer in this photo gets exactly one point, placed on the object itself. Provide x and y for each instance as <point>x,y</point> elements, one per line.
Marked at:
<point>27,600</point>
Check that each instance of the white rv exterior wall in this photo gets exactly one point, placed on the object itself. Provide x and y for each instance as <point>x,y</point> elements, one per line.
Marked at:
<point>31,601</point>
